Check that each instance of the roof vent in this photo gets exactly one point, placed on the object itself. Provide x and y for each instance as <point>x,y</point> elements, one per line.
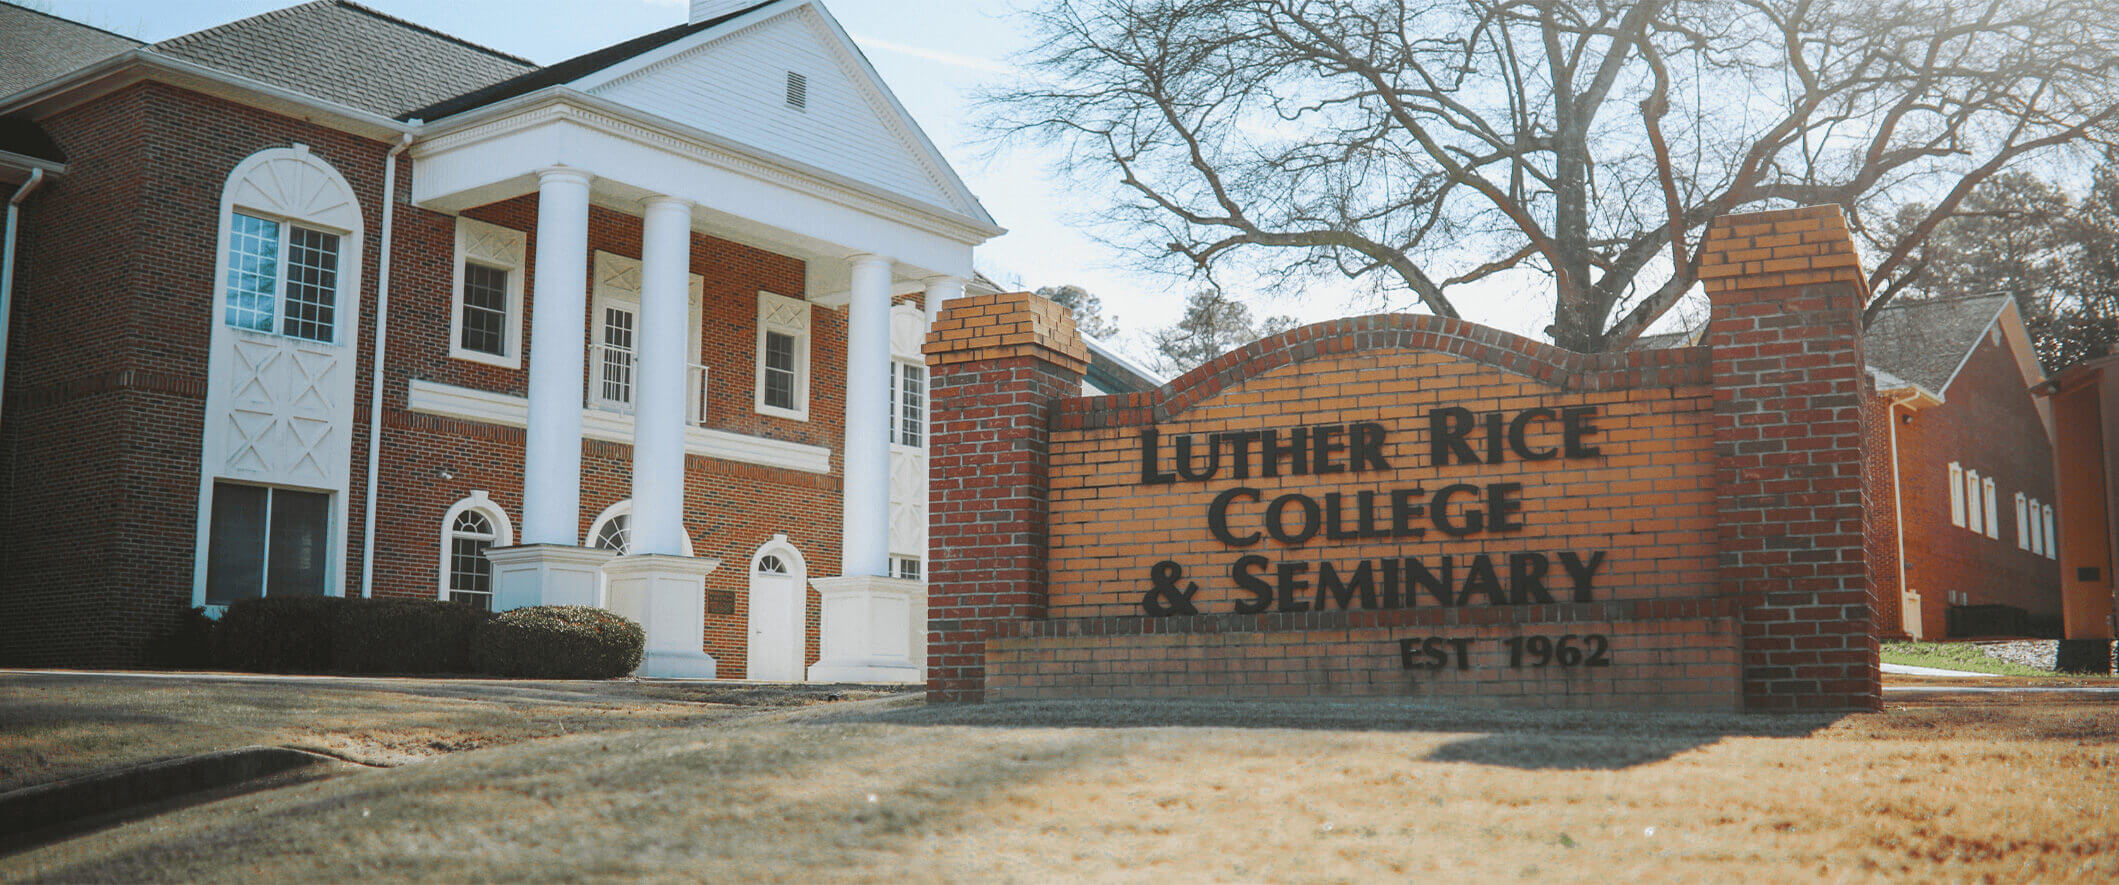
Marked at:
<point>706,9</point>
<point>797,91</point>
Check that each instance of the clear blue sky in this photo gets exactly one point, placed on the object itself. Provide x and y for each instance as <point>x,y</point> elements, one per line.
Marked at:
<point>933,53</point>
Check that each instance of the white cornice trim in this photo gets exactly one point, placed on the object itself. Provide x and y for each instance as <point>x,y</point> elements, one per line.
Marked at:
<point>134,65</point>
<point>564,104</point>
<point>487,407</point>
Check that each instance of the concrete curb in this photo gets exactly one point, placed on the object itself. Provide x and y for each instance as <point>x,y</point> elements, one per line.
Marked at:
<point>113,790</point>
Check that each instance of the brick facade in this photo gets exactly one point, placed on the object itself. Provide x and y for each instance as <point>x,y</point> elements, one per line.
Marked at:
<point>1987,422</point>
<point>107,379</point>
<point>1707,511</point>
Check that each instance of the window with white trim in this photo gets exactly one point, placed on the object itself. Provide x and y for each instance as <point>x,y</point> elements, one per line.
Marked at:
<point>283,278</point>
<point>2037,530</point>
<point>908,404</point>
<point>1956,495</point>
<point>1974,510</point>
<point>905,567</point>
<point>2052,541</point>
<point>470,528</point>
<point>783,356</point>
<point>485,323</point>
<point>614,338</point>
<point>266,541</point>
<point>2023,524</point>
<point>1991,499</point>
<point>613,530</point>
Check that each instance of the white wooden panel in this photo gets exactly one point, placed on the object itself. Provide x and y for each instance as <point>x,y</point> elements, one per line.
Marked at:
<point>736,87</point>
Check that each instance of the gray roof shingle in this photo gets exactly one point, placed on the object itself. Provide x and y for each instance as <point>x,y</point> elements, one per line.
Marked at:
<point>345,52</point>
<point>1924,341</point>
<point>36,48</point>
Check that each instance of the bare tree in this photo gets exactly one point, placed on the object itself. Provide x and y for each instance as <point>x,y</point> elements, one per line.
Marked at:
<point>1431,144</point>
<point>1212,325</point>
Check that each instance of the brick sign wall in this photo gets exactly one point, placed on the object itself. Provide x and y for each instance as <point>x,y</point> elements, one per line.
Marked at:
<point>1409,506</point>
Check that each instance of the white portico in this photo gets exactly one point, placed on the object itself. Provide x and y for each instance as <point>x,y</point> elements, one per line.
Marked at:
<point>844,182</point>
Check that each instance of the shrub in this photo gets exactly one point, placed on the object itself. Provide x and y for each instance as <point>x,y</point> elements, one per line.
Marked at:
<point>187,646</point>
<point>417,636</point>
<point>279,634</point>
<point>557,642</point>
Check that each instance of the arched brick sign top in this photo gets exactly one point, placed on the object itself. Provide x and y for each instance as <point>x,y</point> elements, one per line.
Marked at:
<point>1412,506</point>
<point>1563,369</point>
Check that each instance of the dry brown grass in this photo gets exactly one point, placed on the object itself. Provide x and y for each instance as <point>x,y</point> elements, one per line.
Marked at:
<point>1192,791</point>
<point>54,726</point>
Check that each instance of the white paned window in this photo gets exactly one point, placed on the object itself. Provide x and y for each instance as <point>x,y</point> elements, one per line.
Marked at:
<point>266,542</point>
<point>905,567</point>
<point>2023,524</point>
<point>783,356</point>
<point>1974,511</point>
<point>2052,541</point>
<point>1956,495</point>
<point>485,323</point>
<point>470,528</point>
<point>282,278</point>
<point>1988,497</point>
<point>613,530</point>
<point>614,338</point>
<point>908,404</point>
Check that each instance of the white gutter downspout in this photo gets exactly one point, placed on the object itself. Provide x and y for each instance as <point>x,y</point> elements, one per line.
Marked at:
<point>1898,506</point>
<point>7,264</point>
<point>375,388</point>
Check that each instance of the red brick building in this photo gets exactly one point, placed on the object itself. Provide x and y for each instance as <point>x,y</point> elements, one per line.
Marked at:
<point>297,303</point>
<point>1961,512</point>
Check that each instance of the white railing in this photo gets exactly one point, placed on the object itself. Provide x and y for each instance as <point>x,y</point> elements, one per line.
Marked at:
<point>612,382</point>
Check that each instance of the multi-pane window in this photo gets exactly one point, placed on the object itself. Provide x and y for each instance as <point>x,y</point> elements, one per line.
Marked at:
<point>905,567</point>
<point>2023,524</point>
<point>615,360</point>
<point>2052,541</point>
<point>266,542</point>
<point>470,573</point>
<point>1974,508</point>
<point>282,277</point>
<point>908,403</point>
<point>782,370</point>
<point>771,565</point>
<point>616,535</point>
<point>485,310</point>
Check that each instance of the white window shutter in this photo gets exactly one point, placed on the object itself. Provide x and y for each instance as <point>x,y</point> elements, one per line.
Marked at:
<point>1956,495</point>
<point>2037,532</point>
<point>1987,496</point>
<point>1973,510</point>
<point>2023,525</point>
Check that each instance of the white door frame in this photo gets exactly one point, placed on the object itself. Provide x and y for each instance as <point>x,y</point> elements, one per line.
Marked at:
<point>795,606</point>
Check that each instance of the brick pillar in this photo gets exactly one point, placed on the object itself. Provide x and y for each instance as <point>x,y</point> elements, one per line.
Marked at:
<point>997,364</point>
<point>1788,291</point>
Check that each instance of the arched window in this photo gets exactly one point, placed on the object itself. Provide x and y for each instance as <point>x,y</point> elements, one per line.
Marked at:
<point>470,528</point>
<point>286,268</point>
<point>613,530</point>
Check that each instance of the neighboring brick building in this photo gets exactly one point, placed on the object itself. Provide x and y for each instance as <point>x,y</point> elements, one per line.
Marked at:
<point>705,228</point>
<point>1966,547</point>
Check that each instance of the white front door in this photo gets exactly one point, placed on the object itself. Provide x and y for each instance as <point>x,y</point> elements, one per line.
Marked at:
<point>775,621</point>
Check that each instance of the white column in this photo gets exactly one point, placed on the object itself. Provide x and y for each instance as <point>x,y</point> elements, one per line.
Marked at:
<point>940,290</point>
<point>658,398</point>
<point>551,492</point>
<point>865,545</point>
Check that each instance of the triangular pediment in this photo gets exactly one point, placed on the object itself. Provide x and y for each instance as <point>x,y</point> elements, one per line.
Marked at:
<point>733,81</point>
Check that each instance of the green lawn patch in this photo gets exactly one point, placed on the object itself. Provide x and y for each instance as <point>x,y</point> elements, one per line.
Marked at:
<point>1953,656</point>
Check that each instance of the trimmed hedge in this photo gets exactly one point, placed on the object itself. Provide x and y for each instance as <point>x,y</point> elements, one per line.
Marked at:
<point>279,634</point>
<point>558,642</point>
<point>187,646</point>
<point>405,636</point>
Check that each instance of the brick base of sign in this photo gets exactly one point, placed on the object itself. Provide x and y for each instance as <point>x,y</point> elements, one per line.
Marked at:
<point>1629,662</point>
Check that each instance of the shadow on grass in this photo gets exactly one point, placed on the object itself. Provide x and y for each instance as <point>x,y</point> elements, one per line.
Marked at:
<point>1533,740</point>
